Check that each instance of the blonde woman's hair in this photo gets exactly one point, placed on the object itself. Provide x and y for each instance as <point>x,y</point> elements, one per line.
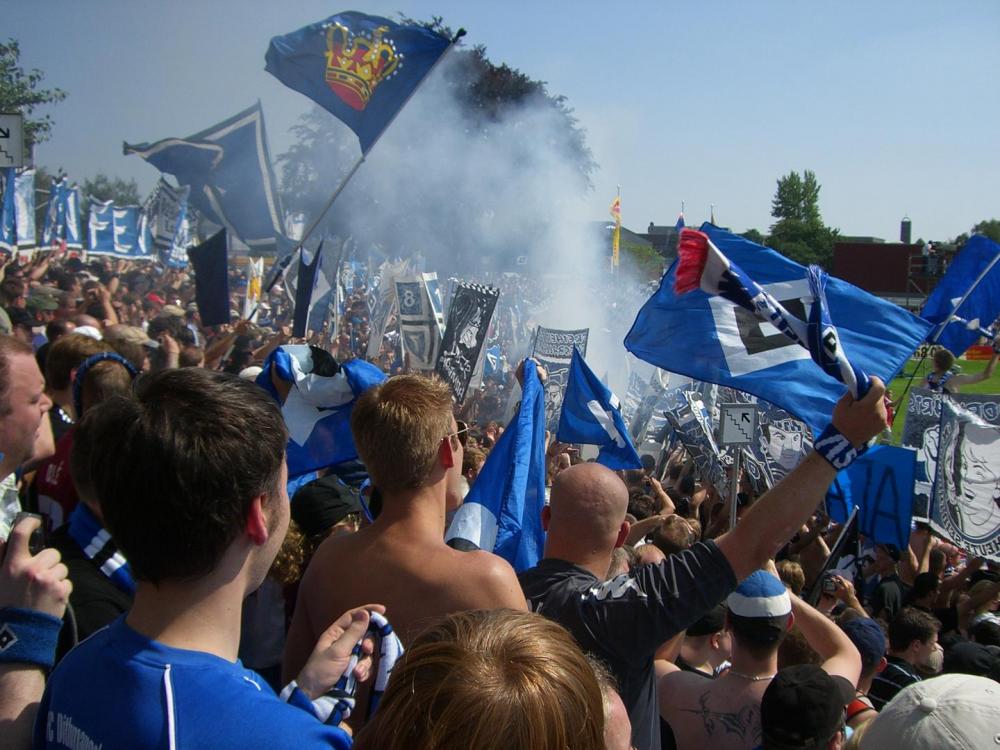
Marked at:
<point>490,680</point>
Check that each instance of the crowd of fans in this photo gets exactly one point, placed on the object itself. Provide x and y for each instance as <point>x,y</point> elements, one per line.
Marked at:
<point>185,601</point>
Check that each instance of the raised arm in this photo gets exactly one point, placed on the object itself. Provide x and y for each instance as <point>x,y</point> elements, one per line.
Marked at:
<point>839,655</point>
<point>772,520</point>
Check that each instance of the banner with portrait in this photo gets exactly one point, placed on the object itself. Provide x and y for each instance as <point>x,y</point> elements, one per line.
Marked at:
<point>469,314</point>
<point>966,492</point>
<point>921,431</point>
<point>554,351</point>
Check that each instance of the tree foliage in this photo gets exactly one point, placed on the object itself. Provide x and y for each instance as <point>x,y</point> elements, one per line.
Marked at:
<point>105,188</point>
<point>496,112</point>
<point>20,91</point>
<point>799,232</point>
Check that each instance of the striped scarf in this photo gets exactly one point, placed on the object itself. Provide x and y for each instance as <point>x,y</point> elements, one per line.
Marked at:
<point>345,691</point>
<point>97,545</point>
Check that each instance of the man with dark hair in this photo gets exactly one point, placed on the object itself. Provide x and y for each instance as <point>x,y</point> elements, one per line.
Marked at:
<point>212,516</point>
<point>891,592</point>
<point>405,434</point>
<point>624,620</point>
<point>725,712</point>
<point>912,643</point>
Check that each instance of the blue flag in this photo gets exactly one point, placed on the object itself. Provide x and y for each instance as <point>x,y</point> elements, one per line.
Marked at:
<point>880,485</point>
<point>8,232</point>
<point>503,511</point>
<point>359,68</point>
<point>62,219</point>
<point>317,396</point>
<point>709,338</point>
<point>228,169</point>
<point>210,261</point>
<point>981,307</point>
<point>591,414</point>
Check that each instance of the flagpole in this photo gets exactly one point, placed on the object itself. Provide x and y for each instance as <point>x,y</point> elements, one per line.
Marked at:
<point>361,160</point>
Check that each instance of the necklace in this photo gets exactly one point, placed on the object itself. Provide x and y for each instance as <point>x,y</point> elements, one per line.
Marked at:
<point>752,678</point>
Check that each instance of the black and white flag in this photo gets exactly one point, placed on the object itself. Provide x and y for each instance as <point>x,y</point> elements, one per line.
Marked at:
<point>966,501</point>
<point>469,316</point>
<point>420,319</point>
<point>554,351</point>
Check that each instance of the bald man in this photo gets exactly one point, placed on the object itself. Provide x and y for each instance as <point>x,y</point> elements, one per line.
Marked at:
<point>623,620</point>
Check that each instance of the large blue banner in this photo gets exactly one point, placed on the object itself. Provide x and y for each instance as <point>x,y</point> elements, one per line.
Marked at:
<point>880,484</point>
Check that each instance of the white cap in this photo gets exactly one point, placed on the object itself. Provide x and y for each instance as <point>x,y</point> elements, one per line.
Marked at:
<point>950,711</point>
<point>89,331</point>
<point>251,372</point>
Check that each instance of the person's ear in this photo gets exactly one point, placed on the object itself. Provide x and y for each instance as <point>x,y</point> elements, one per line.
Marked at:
<point>256,525</point>
<point>623,531</point>
<point>546,517</point>
<point>445,454</point>
<point>791,622</point>
<point>882,664</point>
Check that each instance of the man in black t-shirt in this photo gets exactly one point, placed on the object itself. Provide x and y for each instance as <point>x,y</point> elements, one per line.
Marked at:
<point>625,619</point>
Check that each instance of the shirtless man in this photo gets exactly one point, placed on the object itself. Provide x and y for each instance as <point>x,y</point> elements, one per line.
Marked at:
<point>406,435</point>
<point>725,713</point>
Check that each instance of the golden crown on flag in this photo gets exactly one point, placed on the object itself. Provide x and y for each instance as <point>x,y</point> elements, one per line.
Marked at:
<point>355,64</point>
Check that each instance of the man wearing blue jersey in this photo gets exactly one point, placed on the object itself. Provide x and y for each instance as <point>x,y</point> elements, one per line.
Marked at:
<point>190,475</point>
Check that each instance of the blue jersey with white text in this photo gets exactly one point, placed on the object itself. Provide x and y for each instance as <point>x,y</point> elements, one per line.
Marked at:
<point>119,689</point>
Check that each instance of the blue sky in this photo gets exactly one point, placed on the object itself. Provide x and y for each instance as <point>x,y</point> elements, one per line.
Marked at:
<point>888,102</point>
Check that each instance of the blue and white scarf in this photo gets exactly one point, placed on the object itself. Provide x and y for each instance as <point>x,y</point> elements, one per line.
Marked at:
<point>702,265</point>
<point>97,545</point>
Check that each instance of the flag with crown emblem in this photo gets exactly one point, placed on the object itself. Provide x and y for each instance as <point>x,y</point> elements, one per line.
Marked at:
<point>359,68</point>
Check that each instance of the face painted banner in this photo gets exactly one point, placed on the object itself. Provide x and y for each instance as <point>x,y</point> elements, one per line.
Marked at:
<point>554,350</point>
<point>781,442</point>
<point>693,426</point>
<point>469,316</point>
<point>420,319</point>
<point>922,431</point>
<point>966,508</point>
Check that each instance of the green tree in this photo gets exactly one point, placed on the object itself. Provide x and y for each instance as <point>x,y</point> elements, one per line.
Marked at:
<point>799,232</point>
<point>20,91</point>
<point>754,236</point>
<point>988,227</point>
<point>641,261</point>
<point>105,188</point>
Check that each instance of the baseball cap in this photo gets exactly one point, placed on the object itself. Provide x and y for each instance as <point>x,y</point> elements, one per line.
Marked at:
<point>710,623</point>
<point>868,638</point>
<point>803,706</point>
<point>42,298</point>
<point>760,595</point>
<point>952,710</point>
<point>762,605</point>
<point>323,503</point>
<point>155,298</point>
